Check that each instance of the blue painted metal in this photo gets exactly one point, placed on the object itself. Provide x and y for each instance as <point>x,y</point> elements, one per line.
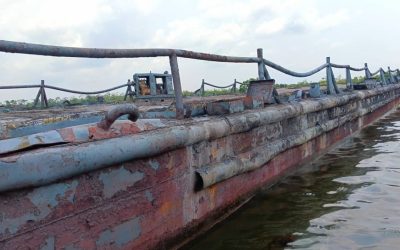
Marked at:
<point>349,83</point>
<point>367,72</point>
<point>382,77</point>
<point>315,90</point>
<point>391,78</point>
<point>330,79</point>
<point>20,143</point>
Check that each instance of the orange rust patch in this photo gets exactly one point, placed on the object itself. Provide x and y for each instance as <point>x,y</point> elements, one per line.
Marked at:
<point>166,207</point>
<point>214,153</point>
<point>212,192</point>
<point>67,134</point>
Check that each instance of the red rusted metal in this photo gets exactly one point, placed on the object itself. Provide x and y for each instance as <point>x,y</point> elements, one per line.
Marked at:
<point>150,203</point>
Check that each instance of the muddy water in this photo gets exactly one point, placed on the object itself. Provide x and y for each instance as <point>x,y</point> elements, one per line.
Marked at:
<point>349,198</point>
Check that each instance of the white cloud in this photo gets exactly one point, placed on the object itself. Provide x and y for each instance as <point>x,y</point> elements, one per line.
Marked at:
<point>272,26</point>
<point>288,30</point>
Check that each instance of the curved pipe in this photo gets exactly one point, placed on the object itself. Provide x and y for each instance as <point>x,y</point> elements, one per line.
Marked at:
<point>220,87</point>
<point>292,73</point>
<point>85,92</point>
<point>376,72</point>
<point>117,111</point>
<point>339,66</point>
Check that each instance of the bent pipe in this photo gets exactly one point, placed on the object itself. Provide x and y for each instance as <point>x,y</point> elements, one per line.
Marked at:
<point>85,92</point>
<point>27,169</point>
<point>292,73</point>
<point>339,66</point>
<point>218,172</point>
<point>220,87</point>
<point>117,111</point>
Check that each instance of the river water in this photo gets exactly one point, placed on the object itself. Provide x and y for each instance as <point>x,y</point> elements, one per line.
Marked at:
<point>349,198</point>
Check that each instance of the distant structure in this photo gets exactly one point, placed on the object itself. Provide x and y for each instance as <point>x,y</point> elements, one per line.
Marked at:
<point>153,85</point>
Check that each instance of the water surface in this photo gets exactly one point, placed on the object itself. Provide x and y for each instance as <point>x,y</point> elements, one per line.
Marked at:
<point>349,198</point>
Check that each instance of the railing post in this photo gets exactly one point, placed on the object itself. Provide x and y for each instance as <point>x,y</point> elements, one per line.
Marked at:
<point>262,70</point>
<point>43,98</point>
<point>330,78</point>
<point>367,72</point>
<point>261,74</point>
<point>173,61</point>
<point>234,86</point>
<point>391,76</point>
<point>129,91</point>
<point>349,83</point>
<point>202,88</point>
<point>382,76</point>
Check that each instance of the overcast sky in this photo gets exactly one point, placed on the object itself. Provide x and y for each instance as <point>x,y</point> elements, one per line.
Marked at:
<point>297,34</point>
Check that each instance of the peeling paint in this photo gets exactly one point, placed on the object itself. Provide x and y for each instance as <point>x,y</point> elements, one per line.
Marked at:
<point>118,180</point>
<point>49,244</point>
<point>154,164</point>
<point>120,235</point>
<point>149,196</point>
<point>44,199</point>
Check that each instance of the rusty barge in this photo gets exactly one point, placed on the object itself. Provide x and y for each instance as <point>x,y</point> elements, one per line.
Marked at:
<point>80,179</point>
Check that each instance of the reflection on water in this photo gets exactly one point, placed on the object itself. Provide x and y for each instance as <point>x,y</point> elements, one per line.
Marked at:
<point>347,199</point>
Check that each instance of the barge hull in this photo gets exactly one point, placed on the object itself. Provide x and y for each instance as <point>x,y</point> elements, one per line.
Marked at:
<point>158,201</point>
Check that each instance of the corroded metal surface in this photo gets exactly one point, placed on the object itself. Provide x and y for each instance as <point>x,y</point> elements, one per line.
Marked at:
<point>147,200</point>
<point>116,112</point>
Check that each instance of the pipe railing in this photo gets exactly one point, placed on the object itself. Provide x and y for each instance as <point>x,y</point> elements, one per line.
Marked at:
<point>43,96</point>
<point>233,87</point>
<point>173,54</point>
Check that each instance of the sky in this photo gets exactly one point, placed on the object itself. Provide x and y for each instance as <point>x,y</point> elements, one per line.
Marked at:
<point>297,34</point>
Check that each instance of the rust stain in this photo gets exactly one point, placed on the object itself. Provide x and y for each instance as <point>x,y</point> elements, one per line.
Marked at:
<point>213,194</point>
<point>24,143</point>
<point>166,207</point>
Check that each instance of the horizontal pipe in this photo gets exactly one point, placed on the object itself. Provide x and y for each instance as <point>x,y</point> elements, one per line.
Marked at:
<point>217,172</point>
<point>62,51</point>
<point>20,86</point>
<point>46,165</point>
<point>28,169</point>
<point>210,175</point>
<point>292,73</point>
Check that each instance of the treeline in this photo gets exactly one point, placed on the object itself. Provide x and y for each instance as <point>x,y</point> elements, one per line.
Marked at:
<point>115,98</point>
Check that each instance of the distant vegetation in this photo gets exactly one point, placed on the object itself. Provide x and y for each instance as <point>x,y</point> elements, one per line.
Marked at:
<point>109,98</point>
<point>114,98</point>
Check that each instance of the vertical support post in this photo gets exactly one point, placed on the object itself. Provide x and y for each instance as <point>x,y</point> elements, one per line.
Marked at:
<point>173,61</point>
<point>391,76</point>
<point>398,72</point>
<point>37,97</point>
<point>382,76</point>
<point>41,94</point>
<point>202,88</point>
<point>262,70</point>
<point>367,72</point>
<point>234,86</point>
<point>129,91</point>
<point>330,78</point>
<point>349,83</point>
